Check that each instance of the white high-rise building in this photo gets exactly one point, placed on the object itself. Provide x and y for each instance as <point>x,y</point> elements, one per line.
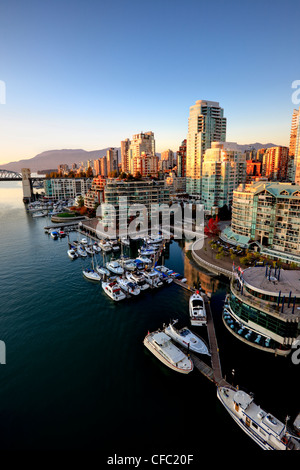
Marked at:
<point>140,143</point>
<point>206,124</point>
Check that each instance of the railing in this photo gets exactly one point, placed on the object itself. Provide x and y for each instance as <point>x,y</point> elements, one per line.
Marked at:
<point>210,266</point>
<point>255,303</point>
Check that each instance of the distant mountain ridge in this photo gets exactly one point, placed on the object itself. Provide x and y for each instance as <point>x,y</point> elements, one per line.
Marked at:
<point>53,158</point>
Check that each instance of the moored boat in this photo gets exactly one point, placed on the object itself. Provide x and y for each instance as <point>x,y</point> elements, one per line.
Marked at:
<point>113,290</point>
<point>139,279</point>
<point>128,286</point>
<point>91,274</point>
<point>114,267</point>
<point>197,310</point>
<point>72,253</point>
<point>187,338</point>
<point>266,430</point>
<point>165,350</point>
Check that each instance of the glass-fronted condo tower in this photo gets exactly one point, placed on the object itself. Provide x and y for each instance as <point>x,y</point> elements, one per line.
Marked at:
<point>206,124</point>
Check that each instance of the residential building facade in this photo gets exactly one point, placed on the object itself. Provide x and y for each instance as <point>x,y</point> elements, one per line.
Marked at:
<point>268,215</point>
<point>222,172</point>
<point>66,188</point>
<point>206,124</point>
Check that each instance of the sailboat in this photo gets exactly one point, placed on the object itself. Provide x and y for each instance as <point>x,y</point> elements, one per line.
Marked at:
<point>91,274</point>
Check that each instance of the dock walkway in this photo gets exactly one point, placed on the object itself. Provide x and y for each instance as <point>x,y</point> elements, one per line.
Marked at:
<point>213,372</point>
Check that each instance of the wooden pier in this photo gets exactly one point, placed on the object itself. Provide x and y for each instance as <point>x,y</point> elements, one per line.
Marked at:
<point>214,371</point>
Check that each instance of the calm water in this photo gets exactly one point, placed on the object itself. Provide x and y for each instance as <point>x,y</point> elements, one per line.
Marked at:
<point>77,373</point>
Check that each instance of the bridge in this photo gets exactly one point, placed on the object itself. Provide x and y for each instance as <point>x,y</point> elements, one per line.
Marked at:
<point>7,175</point>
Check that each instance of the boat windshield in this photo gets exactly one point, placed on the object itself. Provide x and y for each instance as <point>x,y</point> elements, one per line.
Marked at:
<point>197,303</point>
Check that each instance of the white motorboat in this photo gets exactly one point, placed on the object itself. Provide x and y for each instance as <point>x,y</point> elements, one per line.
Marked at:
<point>125,241</point>
<point>103,271</point>
<point>128,286</point>
<point>83,241</point>
<point>96,247</point>
<point>72,253</point>
<point>144,259</point>
<point>153,278</point>
<point>114,244</point>
<point>187,338</point>
<point>197,310</point>
<point>153,240</point>
<point>138,279</point>
<point>114,267</point>
<point>147,251</point>
<point>89,249</point>
<point>91,274</point>
<point>128,264</point>
<point>81,251</point>
<point>39,214</point>
<point>105,246</point>
<point>165,350</point>
<point>266,430</point>
<point>113,290</point>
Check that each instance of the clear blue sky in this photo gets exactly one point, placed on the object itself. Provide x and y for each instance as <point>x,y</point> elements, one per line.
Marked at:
<point>88,74</point>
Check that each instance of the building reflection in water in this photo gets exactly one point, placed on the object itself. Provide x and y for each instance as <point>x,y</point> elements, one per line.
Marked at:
<point>197,276</point>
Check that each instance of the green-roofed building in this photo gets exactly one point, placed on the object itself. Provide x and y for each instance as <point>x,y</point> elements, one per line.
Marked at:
<point>267,214</point>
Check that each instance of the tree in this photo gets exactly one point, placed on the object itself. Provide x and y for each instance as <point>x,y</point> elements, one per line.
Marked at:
<point>89,172</point>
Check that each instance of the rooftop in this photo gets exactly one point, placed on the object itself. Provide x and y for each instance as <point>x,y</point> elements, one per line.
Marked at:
<point>289,281</point>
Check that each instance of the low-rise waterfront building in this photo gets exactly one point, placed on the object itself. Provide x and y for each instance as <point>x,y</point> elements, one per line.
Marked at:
<point>66,188</point>
<point>263,308</point>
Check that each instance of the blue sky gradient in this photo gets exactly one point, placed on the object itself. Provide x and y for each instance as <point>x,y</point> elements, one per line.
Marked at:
<point>88,74</point>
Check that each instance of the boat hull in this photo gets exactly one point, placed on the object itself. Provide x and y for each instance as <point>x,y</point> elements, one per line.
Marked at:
<point>164,360</point>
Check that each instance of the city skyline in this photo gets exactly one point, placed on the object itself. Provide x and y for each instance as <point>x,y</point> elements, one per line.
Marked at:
<point>91,74</point>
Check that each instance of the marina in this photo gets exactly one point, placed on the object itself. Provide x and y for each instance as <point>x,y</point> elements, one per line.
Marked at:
<point>97,344</point>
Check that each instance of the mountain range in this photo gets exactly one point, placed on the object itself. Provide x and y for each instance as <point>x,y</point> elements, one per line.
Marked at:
<point>50,159</point>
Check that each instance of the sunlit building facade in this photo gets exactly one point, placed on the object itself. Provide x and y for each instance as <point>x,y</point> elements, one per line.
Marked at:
<point>206,124</point>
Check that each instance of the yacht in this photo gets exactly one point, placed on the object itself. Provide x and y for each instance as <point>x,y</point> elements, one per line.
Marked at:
<point>165,350</point>
<point>147,251</point>
<point>83,241</point>
<point>266,430</point>
<point>128,286</point>
<point>153,279</point>
<point>186,338</point>
<point>39,214</point>
<point>72,253</point>
<point>128,264</point>
<point>197,310</point>
<point>114,267</point>
<point>105,246</point>
<point>114,244</point>
<point>112,289</point>
<point>91,274</point>
<point>81,251</point>
<point>138,279</point>
<point>96,247</point>
<point>89,249</point>
<point>144,259</point>
<point>153,240</point>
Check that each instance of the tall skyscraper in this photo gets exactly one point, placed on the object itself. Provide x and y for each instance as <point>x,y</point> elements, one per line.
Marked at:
<point>295,144</point>
<point>125,144</point>
<point>112,161</point>
<point>206,124</point>
<point>181,159</point>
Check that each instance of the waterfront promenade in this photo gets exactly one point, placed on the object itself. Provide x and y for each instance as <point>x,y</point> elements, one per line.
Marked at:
<point>206,258</point>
